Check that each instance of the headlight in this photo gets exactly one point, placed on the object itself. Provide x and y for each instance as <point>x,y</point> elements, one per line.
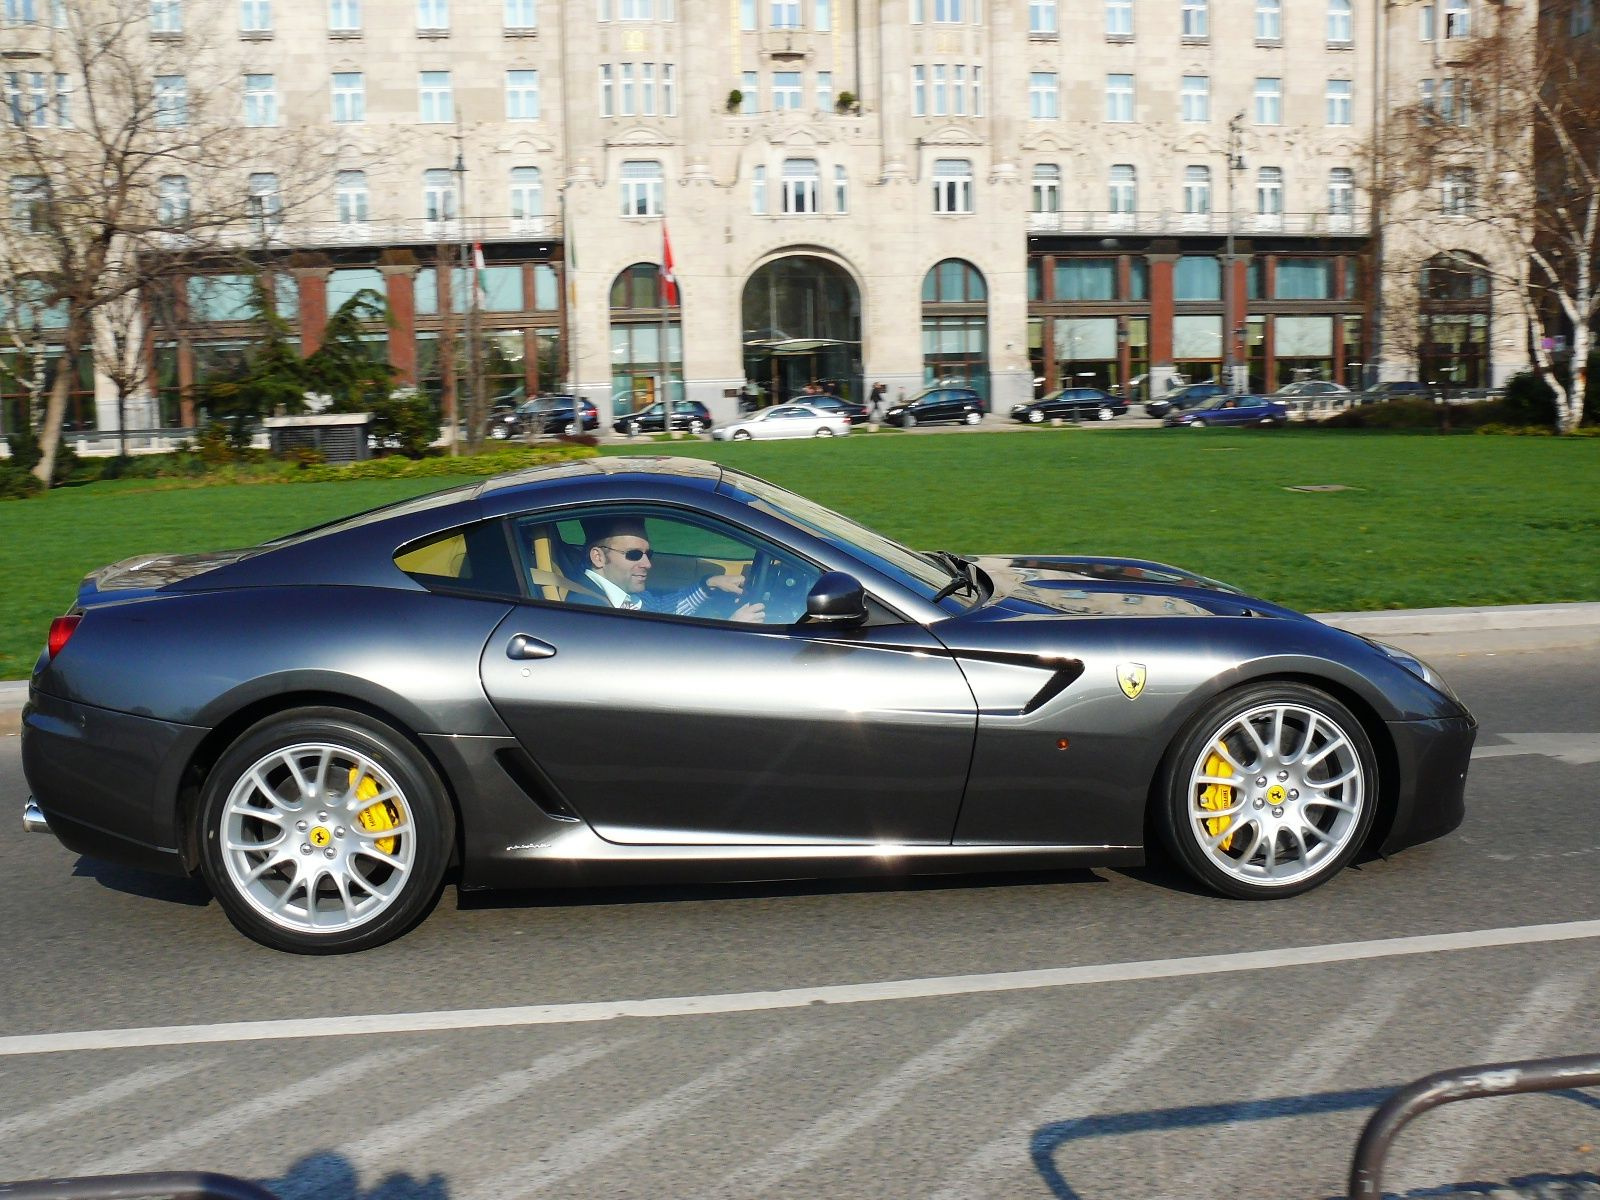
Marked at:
<point>1421,670</point>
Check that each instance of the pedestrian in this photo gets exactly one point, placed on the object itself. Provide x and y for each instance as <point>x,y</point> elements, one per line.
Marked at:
<point>875,401</point>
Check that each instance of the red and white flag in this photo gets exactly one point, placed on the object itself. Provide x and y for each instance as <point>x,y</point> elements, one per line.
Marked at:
<point>669,281</point>
<point>480,275</point>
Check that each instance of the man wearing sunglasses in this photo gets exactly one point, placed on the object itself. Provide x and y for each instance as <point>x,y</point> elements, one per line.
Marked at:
<point>618,556</point>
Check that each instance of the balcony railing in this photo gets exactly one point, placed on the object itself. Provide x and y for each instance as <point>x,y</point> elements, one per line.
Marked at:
<point>292,234</point>
<point>1168,221</point>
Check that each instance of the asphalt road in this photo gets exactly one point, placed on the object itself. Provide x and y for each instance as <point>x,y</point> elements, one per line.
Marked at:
<point>991,1037</point>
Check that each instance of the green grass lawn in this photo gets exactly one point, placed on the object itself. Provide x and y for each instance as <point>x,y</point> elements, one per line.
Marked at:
<point>1426,520</point>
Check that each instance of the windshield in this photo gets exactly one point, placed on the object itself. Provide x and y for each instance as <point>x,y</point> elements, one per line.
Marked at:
<point>920,573</point>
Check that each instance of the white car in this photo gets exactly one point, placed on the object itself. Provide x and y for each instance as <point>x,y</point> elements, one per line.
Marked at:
<point>783,421</point>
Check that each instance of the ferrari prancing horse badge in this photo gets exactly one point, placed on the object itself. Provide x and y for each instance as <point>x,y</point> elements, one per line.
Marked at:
<point>1130,678</point>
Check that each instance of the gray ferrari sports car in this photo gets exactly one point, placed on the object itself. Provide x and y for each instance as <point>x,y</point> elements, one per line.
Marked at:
<point>634,669</point>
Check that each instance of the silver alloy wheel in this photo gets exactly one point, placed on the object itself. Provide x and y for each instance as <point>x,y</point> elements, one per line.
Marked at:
<point>697,426</point>
<point>296,848</point>
<point>973,418</point>
<point>1197,424</point>
<point>823,431</point>
<point>741,435</point>
<point>1106,414</point>
<point>1036,416</point>
<point>1276,795</point>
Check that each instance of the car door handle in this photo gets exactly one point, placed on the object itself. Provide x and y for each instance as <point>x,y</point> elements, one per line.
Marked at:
<point>523,646</point>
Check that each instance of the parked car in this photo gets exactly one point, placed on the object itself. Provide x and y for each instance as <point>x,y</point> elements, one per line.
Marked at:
<point>784,421</point>
<point>254,716</point>
<point>1075,403</point>
<point>687,416</point>
<point>543,415</point>
<point>1188,396</point>
<point>938,406</point>
<point>1231,410</point>
<point>855,413</point>
<point>1396,389</point>
<point>1308,389</point>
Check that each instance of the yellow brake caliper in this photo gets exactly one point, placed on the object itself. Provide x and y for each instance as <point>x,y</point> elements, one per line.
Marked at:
<point>375,817</point>
<point>1218,796</point>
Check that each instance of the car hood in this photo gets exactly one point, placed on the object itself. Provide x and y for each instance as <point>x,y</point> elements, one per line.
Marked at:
<point>1120,587</point>
<point>146,573</point>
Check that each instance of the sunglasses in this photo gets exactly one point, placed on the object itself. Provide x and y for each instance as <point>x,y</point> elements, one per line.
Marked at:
<point>630,555</point>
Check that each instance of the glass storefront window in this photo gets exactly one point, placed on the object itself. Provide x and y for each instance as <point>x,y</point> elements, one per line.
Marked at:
<point>1197,278</point>
<point>345,284</point>
<point>221,297</point>
<point>1138,278</point>
<point>1303,279</point>
<point>546,288</point>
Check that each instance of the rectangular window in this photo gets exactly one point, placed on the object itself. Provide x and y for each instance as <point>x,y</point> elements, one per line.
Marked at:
<point>607,92</point>
<point>527,198</point>
<point>434,103</point>
<point>521,15</point>
<point>785,14</point>
<point>349,92</point>
<point>438,195</point>
<point>1042,96</point>
<point>1195,20</point>
<point>522,95</point>
<point>255,16</point>
<point>824,91</point>
<point>1457,18</point>
<point>1195,98</point>
<point>977,91</point>
<point>642,189</point>
<point>344,16</point>
<point>1427,23</point>
<point>172,200</point>
<point>1046,188</point>
<point>841,190</point>
<point>1341,192</point>
<point>1119,18</point>
<point>669,91</point>
<point>1269,20</point>
<point>1341,23</point>
<point>1197,190</point>
<point>172,101</point>
<point>747,15</point>
<point>949,12</point>
<point>952,186</point>
<point>1303,279</point>
<point>29,196</point>
<point>1124,182</point>
<point>801,183</point>
<point>1340,102</point>
<point>749,87</point>
<point>166,17</point>
<point>260,100</point>
<point>823,16</point>
<point>266,202</point>
<point>758,190</point>
<point>625,90</point>
<point>1041,16</point>
<point>1269,192</point>
<point>350,197</point>
<point>1119,97</point>
<point>787,90</point>
<point>919,91</point>
<point>941,90</point>
<point>1269,101</point>
<point>433,15</point>
<point>1085,279</point>
<point>958,91</point>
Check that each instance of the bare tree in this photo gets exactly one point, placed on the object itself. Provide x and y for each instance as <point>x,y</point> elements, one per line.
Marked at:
<point>1506,164</point>
<point>127,166</point>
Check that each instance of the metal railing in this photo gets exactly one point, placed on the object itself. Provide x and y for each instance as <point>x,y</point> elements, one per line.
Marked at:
<point>178,1185</point>
<point>1447,1087</point>
<point>1167,221</point>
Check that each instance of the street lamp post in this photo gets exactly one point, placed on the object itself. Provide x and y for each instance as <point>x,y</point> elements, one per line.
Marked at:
<point>1235,163</point>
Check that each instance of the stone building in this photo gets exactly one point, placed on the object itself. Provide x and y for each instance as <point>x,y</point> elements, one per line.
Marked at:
<point>1019,194</point>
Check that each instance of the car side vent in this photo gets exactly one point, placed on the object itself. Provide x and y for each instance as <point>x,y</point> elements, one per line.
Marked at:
<point>525,773</point>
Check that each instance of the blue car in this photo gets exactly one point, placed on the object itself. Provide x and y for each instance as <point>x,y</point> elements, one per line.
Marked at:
<point>1231,410</point>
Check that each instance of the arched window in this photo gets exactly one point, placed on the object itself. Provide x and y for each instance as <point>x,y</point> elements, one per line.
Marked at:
<point>643,369</point>
<point>955,326</point>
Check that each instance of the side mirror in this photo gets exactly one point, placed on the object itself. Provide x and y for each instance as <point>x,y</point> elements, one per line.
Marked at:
<point>836,599</point>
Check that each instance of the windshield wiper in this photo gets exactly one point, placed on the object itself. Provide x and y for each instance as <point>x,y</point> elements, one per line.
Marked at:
<point>963,574</point>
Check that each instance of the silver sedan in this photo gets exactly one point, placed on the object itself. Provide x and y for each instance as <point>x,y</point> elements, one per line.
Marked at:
<point>784,421</point>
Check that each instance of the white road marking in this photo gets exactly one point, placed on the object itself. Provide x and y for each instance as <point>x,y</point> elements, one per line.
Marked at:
<point>580,1151</point>
<point>172,1147</point>
<point>1305,1071</point>
<point>843,993</point>
<point>1443,1152</point>
<point>109,1093</point>
<point>1002,1161</point>
<point>372,1149</point>
<point>1577,749</point>
<point>804,1148</point>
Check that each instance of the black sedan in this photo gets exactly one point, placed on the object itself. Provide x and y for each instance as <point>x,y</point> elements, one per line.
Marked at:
<point>1072,404</point>
<point>686,416</point>
<point>634,669</point>
<point>1189,396</point>
<point>543,415</point>
<point>938,406</point>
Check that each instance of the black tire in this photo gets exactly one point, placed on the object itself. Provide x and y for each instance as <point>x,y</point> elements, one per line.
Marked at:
<point>741,435</point>
<point>697,426</point>
<point>419,810</point>
<point>1277,801</point>
<point>823,432</point>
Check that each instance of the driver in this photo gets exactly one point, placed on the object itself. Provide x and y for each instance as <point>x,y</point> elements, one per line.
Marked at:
<point>618,556</point>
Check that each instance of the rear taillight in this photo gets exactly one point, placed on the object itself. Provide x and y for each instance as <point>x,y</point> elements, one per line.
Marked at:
<point>61,629</point>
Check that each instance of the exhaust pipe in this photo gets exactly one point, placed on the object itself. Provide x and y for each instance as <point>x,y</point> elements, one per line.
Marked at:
<point>33,817</point>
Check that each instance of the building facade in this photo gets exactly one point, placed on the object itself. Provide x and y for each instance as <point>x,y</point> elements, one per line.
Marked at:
<point>1020,194</point>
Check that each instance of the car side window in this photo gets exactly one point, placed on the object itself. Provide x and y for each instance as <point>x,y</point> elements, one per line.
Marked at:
<point>473,559</point>
<point>661,561</point>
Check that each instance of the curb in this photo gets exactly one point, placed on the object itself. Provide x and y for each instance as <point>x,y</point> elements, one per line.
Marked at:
<point>1508,626</point>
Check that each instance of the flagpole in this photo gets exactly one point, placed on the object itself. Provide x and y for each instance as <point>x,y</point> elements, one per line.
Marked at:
<point>666,329</point>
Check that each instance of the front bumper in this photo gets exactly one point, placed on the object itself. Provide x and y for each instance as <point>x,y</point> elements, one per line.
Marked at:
<point>1432,760</point>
